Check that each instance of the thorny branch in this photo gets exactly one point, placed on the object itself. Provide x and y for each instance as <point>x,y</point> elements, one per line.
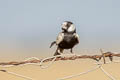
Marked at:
<point>74,57</point>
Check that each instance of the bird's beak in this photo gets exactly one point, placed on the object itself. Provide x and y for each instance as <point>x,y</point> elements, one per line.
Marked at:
<point>64,28</point>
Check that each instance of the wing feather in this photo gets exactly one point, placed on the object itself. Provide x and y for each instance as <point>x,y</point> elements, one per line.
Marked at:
<point>77,36</point>
<point>59,38</point>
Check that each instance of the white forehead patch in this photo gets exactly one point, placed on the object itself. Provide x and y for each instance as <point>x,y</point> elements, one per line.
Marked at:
<point>71,28</point>
<point>64,23</point>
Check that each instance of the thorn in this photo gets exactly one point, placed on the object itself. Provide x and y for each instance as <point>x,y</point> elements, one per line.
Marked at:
<point>96,59</point>
<point>103,55</point>
<point>111,58</point>
<point>3,70</point>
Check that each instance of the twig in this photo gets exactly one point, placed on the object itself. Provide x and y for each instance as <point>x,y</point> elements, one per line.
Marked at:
<point>110,76</point>
<point>82,73</point>
<point>103,55</point>
<point>72,57</point>
<point>18,75</point>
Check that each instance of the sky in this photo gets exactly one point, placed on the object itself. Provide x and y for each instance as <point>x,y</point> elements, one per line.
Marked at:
<point>27,27</point>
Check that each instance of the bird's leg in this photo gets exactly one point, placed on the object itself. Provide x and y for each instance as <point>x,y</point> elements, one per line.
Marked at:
<point>57,52</point>
<point>61,50</point>
<point>71,50</point>
<point>111,58</point>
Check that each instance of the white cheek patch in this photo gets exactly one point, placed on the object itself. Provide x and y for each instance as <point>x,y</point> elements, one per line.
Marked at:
<point>71,28</point>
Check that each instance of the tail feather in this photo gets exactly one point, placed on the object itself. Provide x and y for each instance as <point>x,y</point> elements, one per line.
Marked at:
<point>54,42</point>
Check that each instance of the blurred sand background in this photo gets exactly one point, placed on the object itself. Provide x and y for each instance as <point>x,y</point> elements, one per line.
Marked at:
<point>61,69</point>
<point>27,27</point>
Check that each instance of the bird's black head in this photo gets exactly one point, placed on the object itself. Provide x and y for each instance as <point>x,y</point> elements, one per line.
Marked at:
<point>68,26</point>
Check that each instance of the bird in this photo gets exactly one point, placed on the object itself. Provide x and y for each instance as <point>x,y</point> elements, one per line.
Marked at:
<point>66,39</point>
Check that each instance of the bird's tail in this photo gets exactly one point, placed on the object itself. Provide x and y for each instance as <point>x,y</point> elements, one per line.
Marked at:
<point>54,42</point>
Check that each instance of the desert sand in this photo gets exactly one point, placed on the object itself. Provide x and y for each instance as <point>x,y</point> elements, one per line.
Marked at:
<point>60,69</point>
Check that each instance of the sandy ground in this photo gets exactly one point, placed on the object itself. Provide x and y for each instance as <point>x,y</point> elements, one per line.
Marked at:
<point>61,69</point>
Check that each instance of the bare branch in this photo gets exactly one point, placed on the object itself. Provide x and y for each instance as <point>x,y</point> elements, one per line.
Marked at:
<point>74,57</point>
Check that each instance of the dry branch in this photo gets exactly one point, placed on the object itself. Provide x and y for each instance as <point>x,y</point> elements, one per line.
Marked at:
<point>94,57</point>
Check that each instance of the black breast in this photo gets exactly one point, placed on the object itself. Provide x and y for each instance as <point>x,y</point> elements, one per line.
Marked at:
<point>69,41</point>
